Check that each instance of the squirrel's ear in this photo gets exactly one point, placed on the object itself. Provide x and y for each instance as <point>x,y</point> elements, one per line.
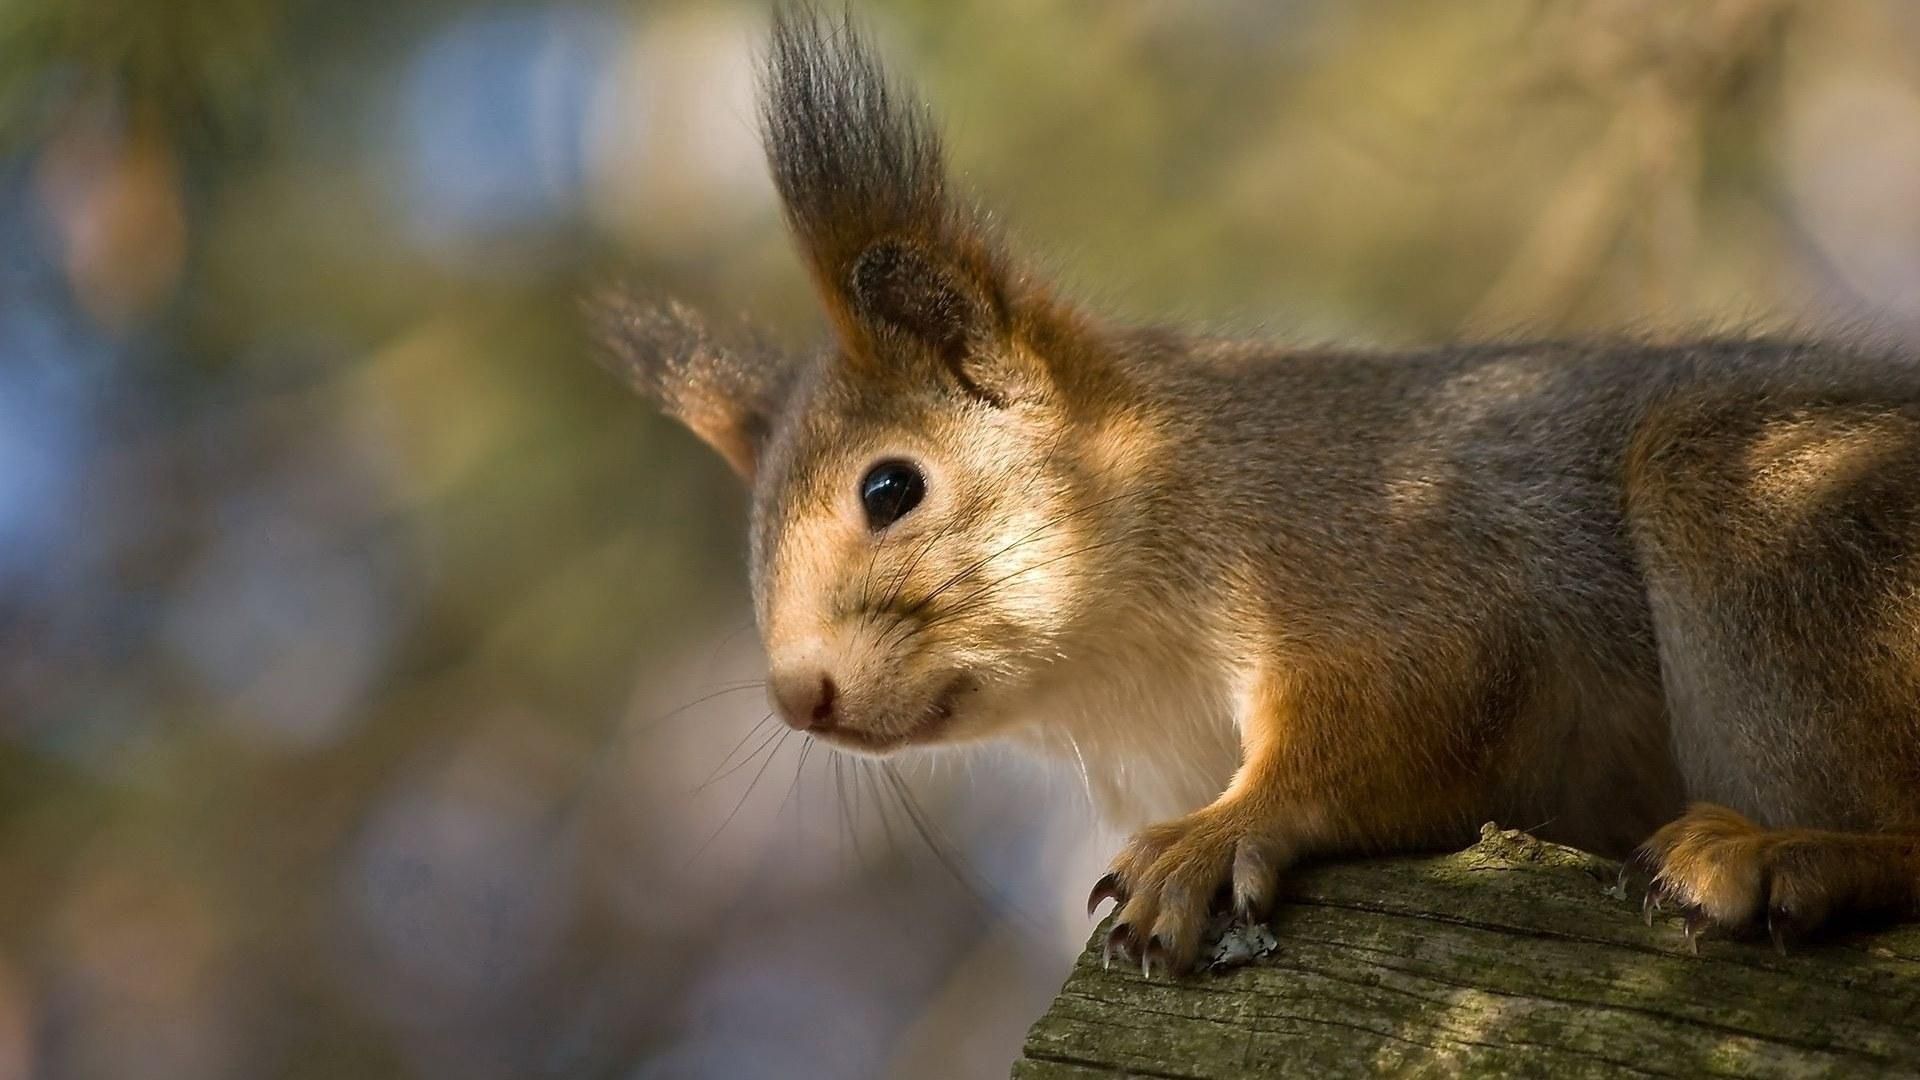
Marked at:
<point>727,396</point>
<point>896,285</point>
<point>897,258</point>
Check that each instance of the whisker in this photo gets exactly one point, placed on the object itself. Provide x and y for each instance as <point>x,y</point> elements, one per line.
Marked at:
<point>873,556</point>
<point>989,899</point>
<point>1026,538</point>
<point>904,629</point>
<point>615,738</point>
<point>743,626</point>
<point>855,785</point>
<point>974,503</point>
<point>978,500</point>
<point>731,688</point>
<point>744,796</point>
<point>963,605</point>
<point>840,817</point>
<point>718,775</point>
<point>906,571</point>
<point>900,579</point>
<point>806,747</point>
<point>886,822</point>
<point>847,820</point>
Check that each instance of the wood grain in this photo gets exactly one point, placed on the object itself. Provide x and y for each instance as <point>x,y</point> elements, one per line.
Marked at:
<point>1511,958</point>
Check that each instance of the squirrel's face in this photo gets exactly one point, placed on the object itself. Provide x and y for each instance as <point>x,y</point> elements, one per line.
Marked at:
<point>914,559</point>
<point>931,498</point>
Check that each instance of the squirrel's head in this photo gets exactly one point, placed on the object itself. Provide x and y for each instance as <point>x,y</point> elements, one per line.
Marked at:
<point>936,493</point>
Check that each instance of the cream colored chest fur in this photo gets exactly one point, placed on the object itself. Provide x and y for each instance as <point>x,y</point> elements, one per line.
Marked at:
<point>1149,734</point>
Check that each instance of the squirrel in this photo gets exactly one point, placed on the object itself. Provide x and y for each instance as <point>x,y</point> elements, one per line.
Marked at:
<point>1283,604</point>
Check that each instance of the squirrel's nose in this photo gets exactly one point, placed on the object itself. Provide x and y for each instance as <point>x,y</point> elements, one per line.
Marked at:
<point>804,699</point>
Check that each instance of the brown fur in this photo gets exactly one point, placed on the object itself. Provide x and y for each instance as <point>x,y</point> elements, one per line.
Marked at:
<point>1570,584</point>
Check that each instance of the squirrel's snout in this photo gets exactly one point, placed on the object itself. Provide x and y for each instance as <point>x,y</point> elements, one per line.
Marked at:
<point>805,699</point>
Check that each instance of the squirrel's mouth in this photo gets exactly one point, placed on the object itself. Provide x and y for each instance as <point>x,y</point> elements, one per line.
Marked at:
<point>928,727</point>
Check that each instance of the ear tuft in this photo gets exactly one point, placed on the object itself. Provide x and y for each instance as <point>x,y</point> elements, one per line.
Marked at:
<point>726,394</point>
<point>863,182</point>
<point>854,159</point>
<point>898,258</point>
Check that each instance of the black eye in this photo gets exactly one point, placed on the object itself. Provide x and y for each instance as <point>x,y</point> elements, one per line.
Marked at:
<point>890,491</point>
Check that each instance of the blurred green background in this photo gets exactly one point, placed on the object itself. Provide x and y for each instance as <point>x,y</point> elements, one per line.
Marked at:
<point>377,685</point>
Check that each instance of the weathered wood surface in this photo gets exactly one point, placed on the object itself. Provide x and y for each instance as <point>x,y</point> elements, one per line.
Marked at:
<point>1512,958</point>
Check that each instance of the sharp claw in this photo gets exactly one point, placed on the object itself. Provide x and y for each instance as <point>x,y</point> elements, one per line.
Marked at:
<point>1154,948</point>
<point>1119,939</point>
<point>1696,926</point>
<point>1107,888</point>
<point>1781,927</point>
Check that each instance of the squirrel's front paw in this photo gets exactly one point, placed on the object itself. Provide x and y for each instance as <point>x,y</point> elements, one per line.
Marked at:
<point>1170,878</point>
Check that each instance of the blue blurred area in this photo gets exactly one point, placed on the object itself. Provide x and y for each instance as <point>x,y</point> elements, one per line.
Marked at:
<point>47,433</point>
<point>51,391</point>
<point>493,127</point>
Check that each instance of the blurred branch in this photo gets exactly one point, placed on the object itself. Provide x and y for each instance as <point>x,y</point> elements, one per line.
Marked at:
<point>1665,79</point>
<point>199,66</point>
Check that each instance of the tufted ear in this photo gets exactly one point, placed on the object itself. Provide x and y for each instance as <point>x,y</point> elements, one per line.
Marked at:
<point>726,395</point>
<point>904,267</point>
<point>901,286</point>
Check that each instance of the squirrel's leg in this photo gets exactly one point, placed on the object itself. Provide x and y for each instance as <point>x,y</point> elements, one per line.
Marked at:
<point>1170,878</point>
<point>1782,557</point>
<point>1723,872</point>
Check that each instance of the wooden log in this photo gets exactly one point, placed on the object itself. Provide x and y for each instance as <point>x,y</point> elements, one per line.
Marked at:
<point>1514,957</point>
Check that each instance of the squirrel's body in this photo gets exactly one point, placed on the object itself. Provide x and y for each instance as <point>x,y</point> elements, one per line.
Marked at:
<point>1313,602</point>
<point>1469,540</point>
